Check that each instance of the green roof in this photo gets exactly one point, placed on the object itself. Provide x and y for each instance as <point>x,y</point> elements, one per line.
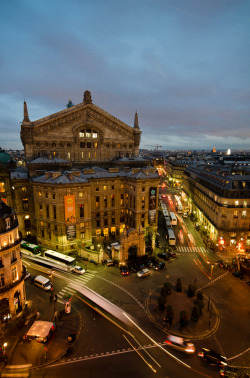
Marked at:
<point>4,157</point>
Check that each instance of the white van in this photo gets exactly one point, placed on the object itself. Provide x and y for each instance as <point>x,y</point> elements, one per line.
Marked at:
<point>43,283</point>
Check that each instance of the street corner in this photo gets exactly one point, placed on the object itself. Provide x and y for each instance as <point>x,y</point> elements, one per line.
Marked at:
<point>176,314</point>
<point>43,346</point>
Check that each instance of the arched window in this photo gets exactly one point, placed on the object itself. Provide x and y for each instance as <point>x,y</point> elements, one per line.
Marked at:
<point>94,134</point>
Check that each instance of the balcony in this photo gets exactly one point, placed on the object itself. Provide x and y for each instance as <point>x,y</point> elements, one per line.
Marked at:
<point>10,245</point>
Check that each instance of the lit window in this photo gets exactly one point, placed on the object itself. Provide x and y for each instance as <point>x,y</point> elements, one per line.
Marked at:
<point>69,155</point>
<point>82,133</point>
<point>24,189</point>
<point>94,134</point>
<point>82,225</point>
<point>39,194</point>
<point>81,194</point>
<point>104,187</point>
<point>2,190</point>
<point>244,214</point>
<point>95,145</point>
<point>88,133</point>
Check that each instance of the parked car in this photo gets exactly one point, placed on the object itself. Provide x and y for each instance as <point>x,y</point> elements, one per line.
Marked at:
<point>172,254</point>
<point>143,273</point>
<point>27,275</point>
<point>133,268</point>
<point>165,256</point>
<point>181,344</point>
<point>124,271</point>
<point>109,262</point>
<point>159,266</point>
<point>78,269</point>
<point>149,264</point>
<point>213,357</point>
<point>238,274</point>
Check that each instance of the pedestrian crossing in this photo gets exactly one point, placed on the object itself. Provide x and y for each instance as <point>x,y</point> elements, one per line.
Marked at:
<point>82,279</point>
<point>201,250</point>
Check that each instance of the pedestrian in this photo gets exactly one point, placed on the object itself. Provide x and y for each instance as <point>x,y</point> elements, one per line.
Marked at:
<point>37,315</point>
<point>55,297</point>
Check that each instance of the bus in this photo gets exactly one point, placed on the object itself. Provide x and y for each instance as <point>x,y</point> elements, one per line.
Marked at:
<point>33,248</point>
<point>165,213</point>
<point>68,260</point>
<point>171,237</point>
<point>163,206</point>
<point>168,222</point>
<point>173,218</point>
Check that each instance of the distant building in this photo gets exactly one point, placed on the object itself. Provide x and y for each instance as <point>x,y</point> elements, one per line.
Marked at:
<point>79,134</point>
<point>219,199</point>
<point>12,273</point>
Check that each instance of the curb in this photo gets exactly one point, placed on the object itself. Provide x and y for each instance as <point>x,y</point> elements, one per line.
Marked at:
<point>203,335</point>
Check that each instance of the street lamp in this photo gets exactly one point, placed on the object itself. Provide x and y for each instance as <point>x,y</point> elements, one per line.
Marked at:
<point>209,302</point>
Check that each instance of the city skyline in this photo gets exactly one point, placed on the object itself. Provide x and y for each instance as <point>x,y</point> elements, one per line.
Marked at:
<point>183,66</point>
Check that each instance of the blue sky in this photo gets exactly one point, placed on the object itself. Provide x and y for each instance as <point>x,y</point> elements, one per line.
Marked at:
<point>183,65</point>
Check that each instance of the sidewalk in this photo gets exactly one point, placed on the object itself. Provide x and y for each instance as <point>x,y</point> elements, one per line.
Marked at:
<point>31,353</point>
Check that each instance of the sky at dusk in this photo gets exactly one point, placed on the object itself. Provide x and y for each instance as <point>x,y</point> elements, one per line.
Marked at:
<point>183,65</point>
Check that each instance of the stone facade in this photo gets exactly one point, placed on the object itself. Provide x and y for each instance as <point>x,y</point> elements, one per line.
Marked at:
<point>12,273</point>
<point>80,133</point>
<point>219,198</point>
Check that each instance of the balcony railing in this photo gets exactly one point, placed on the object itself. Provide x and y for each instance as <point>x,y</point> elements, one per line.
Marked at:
<point>10,245</point>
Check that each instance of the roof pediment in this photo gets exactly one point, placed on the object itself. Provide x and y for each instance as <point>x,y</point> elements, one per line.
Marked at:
<point>88,115</point>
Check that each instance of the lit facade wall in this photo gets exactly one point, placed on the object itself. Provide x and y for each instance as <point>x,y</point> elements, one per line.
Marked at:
<point>12,273</point>
<point>103,206</point>
<point>221,204</point>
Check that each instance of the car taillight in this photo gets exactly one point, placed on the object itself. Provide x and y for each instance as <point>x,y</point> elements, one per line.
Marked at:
<point>168,342</point>
<point>201,354</point>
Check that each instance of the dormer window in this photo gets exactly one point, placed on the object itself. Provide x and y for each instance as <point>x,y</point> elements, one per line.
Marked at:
<point>7,221</point>
<point>94,134</point>
<point>82,134</point>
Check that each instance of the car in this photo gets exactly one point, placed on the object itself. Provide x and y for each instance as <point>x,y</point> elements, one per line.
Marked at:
<point>109,262</point>
<point>143,273</point>
<point>124,270</point>
<point>232,372</point>
<point>238,274</point>
<point>159,266</point>
<point>133,268</point>
<point>172,254</point>
<point>27,275</point>
<point>149,264</point>
<point>154,260</point>
<point>213,357</point>
<point>181,344</point>
<point>165,256</point>
<point>78,269</point>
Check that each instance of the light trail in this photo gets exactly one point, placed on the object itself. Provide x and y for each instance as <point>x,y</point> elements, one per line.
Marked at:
<point>201,269</point>
<point>139,354</point>
<point>158,345</point>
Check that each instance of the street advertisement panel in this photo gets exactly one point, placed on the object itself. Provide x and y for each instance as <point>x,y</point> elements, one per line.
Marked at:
<point>70,216</point>
<point>152,205</point>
